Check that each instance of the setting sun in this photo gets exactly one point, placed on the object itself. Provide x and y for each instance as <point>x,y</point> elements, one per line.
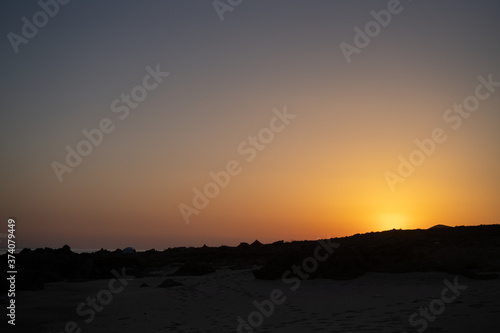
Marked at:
<point>392,221</point>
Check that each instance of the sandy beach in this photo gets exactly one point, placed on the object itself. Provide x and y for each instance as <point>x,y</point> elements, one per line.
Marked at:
<point>374,302</point>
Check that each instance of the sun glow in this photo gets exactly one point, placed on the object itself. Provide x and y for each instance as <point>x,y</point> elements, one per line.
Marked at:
<point>393,221</point>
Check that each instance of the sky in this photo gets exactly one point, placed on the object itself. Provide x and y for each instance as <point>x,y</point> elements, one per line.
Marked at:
<point>157,124</point>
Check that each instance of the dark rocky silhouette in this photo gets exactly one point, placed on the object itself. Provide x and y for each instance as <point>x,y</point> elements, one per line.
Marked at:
<point>256,243</point>
<point>470,251</point>
<point>194,269</point>
<point>439,226</point>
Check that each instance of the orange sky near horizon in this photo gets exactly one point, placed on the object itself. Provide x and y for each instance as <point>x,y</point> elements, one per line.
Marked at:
<point>320,173</point>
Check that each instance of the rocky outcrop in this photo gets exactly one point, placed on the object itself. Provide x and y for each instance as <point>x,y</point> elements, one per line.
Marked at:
<point>470,251</point>
<point>194,269</point>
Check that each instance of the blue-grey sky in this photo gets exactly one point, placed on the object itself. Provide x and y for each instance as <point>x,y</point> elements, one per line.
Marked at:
<point>324,174</point>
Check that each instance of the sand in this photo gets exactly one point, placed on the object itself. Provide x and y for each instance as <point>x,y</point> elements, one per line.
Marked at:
<point>374,302</point>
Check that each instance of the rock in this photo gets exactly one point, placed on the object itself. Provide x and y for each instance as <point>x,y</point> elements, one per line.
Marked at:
<point>129,250</point>
<point>277,265</point>
<point>340,269</point>
<point>256,243</point>
<point>25,251</point>
<point>85,271</point>
<point>66,249</point>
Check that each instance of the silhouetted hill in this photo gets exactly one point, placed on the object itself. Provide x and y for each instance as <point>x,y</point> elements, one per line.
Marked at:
<point>458,250</point>
<point>439,226</point>
<point>470,251</point>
